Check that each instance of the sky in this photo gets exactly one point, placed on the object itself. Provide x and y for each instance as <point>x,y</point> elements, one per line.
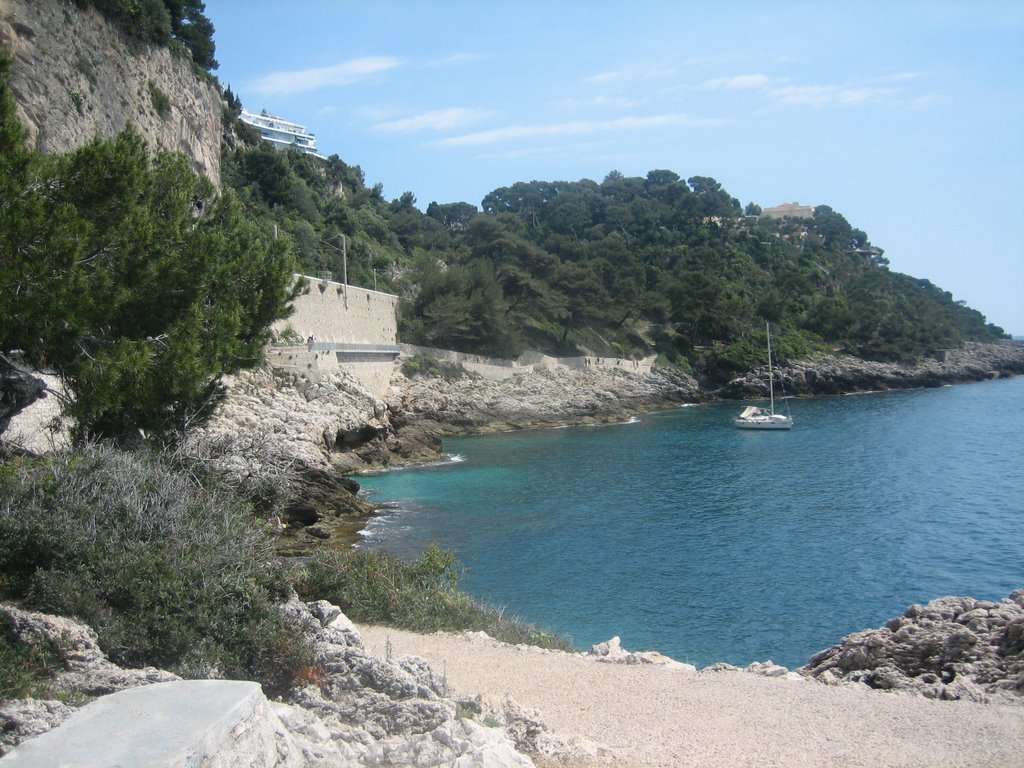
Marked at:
<point>906,117</point>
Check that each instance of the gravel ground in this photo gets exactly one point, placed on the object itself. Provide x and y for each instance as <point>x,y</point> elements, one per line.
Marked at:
<point>659,716</point>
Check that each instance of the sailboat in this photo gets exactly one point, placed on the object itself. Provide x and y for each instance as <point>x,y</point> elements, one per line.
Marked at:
<point>754,417</point>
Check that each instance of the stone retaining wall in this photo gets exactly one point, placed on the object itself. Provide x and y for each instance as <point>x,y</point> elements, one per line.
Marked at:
<point>497,369</point>
<point>334,312</point>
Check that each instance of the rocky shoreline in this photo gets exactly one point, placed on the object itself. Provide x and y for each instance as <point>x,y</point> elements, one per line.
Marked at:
<point>842,374</point>
<point>325,430</point>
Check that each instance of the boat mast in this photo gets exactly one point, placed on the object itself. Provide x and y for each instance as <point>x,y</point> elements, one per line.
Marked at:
<point>771,378</point>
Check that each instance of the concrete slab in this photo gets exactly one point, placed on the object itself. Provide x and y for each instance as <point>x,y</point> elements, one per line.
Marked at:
<point>194,723</point>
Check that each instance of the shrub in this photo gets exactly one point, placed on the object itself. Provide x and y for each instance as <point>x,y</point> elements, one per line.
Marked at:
<point>288,337</point>
<point>161,101</point>
<point>168,571</point>
<point>421,595</point>
<point>424,365</point>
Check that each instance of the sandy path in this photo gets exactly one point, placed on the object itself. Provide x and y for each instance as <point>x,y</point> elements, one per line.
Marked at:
<point>656,716</point>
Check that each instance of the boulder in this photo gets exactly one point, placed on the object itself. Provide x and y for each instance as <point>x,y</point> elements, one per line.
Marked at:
<point>951,648</point>
<point>18,390</point>
<point>214,723</point>
<point>611,651</point>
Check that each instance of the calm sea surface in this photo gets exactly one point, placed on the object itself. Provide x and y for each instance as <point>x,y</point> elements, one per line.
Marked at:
<point>685,535</point>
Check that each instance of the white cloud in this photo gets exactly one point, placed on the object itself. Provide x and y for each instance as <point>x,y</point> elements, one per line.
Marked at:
<point>346,73</point>
<point>604,77</point>
<point>457,58</point>
<point>886,89</point>
<point>613,102</point>
<point>655,73</point>
<point>576,128</point>
<point>433,120</point>
<point>897,77</point>
<point>922,102</point>
<point>757,80</point>
<point>832,95</point>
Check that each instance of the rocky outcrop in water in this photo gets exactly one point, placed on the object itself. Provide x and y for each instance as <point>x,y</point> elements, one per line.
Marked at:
<point>951,648</point>
<point>838,374</point>
<point>425,408</point>
<point>355,709</point>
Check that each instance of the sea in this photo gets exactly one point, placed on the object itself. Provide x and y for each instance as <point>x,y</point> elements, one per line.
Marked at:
<point>679,533</point>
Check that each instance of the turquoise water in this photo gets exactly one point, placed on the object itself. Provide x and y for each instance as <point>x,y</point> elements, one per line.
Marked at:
<point>685,535</point>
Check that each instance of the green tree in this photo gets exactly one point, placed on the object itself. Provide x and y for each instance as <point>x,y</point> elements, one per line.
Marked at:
<point>461,307</point>
<point>123,272</point>
<point>193,28</point>
<point>454,216</point>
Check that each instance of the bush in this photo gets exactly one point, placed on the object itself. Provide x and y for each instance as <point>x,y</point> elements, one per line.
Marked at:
<point>161,101</point>
<point>424,365</point>
<point>168,571</point>
<point>422,595</point>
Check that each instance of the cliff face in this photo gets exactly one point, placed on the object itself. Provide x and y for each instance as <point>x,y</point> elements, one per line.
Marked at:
<point>75,76</point>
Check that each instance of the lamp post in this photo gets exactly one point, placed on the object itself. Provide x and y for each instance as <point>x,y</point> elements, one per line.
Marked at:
<point>344,264</point>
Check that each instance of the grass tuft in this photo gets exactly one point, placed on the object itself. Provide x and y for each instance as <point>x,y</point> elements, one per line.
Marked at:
<point>25,667</point>
<point>421,595</point>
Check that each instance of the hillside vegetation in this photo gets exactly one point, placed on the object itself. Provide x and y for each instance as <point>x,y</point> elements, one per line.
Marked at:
<point>628,266</point>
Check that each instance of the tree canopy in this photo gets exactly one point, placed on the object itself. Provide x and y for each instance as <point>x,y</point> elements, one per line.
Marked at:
<point>161,21</point>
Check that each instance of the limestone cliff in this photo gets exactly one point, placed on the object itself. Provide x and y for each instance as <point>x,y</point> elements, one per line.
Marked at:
<point>75,76</point>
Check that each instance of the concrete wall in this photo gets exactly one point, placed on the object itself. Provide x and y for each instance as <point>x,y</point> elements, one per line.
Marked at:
<point>354,329</point>
<point>335,313</point>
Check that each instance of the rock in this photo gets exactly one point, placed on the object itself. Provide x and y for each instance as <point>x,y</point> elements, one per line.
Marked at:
<point>301,513</point>
<point>770,669</point>
<point>951,648</point>
<point>215,723</point>
<point>611,651</point>
<point>837,374</point>
<point>18,390</point>
<point>76,77</point>
<point>21,719</point>
<point>87,671</point>
<point>526,728</point>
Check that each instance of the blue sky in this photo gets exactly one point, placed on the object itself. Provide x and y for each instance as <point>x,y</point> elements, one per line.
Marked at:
<point>906,117</point>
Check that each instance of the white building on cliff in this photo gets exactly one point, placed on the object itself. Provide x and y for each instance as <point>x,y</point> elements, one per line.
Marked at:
<point>283,134</point>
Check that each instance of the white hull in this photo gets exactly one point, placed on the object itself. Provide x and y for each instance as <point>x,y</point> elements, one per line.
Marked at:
<point>764,422</point>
